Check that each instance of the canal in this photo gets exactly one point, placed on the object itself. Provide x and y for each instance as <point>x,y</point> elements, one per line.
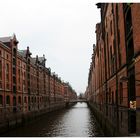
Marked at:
<point>77,121</point>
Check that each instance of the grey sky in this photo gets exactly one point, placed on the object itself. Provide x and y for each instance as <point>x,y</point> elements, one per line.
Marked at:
<point>63,30</point>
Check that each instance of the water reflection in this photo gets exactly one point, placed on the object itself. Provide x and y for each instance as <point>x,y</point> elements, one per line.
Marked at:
<point>78,121</point>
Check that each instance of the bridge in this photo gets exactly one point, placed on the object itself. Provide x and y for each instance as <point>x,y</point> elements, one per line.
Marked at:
<point>78,100</point>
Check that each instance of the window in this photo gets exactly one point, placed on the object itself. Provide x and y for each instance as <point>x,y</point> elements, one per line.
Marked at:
<point>121,93</point>
<point>0,84</point>
<point>24,74</point>
<point>29,91</point>
<point>14,101</point>
<point>109,95</point>
<point>28,99</point>
<point>111,27</point>
<point>23,82</point>
<point>25,100</point>
<point>14,79</point>
<point>7,56</point>
<point>106,22</point>
<point>14,70</point>
<point>1,100</point>
<point>7,72</point>
<point>111,52</point>
<point>19,63</point>
<point>8,100</point>
<point>0,70</point>
<point>118,36</point>
<point>121,119</point>
<point>128,22</point>
<point>32,100</point>
<point>28,76</point>
<point>19,72</point>
<point>14,52</point>
<point>131,83</point>
<point>38,99</point>
<point>14,61</point>
<point>112,97</point>
<point>7,77</point>
<point>35,99</point>
<point>19,76</point>
<point>19,99</point>
<point>7,85</point>
<point>28,61</point>
<point>130,50</point>
<point>28,67</point>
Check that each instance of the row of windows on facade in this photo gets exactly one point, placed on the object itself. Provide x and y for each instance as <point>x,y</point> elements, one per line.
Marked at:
<point>7,56</point>
<point>30,99</point>
<point>14,72</point>
<point>8,99</point>
<point>111,96</point>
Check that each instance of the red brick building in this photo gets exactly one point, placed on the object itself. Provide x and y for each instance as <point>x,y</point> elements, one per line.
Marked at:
<point>114,76</point>
<point>26,85</point>
<point>69,94</point>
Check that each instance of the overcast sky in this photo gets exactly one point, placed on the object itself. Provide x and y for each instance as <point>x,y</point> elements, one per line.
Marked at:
<point>63,30</point>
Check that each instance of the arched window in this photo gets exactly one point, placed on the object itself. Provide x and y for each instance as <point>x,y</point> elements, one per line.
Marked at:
<point>8,99</point>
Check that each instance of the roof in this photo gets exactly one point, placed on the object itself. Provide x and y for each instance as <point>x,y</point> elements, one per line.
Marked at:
<point>41,59</point>
<point>22,52</point>
<point>33,60</point>
<point>5,39</point>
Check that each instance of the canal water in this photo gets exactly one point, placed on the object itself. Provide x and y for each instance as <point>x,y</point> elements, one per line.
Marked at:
<point>77,121</point>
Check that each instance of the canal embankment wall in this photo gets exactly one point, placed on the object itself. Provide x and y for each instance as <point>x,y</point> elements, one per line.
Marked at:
<point>14,120</point>
<point>107,127</point>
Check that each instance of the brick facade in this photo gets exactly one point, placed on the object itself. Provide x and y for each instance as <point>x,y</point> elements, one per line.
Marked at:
<point>26,84</point>
<point>114,76</point>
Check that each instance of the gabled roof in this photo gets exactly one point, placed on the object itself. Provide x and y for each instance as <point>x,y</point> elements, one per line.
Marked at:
<point>5,39</point>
